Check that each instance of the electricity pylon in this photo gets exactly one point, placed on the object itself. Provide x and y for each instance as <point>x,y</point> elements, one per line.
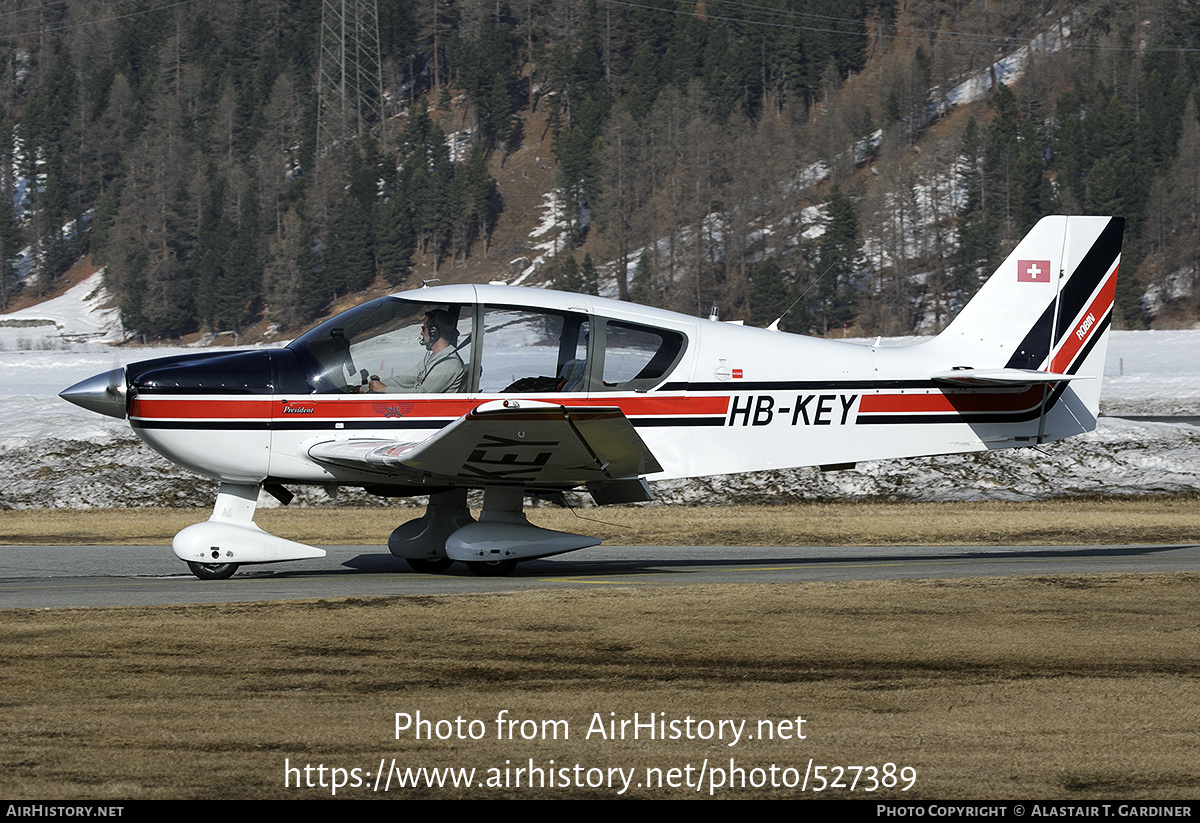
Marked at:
<point>349,77</point>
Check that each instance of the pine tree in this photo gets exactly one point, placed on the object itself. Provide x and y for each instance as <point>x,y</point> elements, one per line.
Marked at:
<point>770,294</point>
<point>578,113</point>
<point>482,203</point>
<point>487,69</point>
<point>1129,300</point>
<point>644,289</point>
<point>1032,197</point>
<point>840,260</point>
<point>1002,147</point>
<point>10,242</point>
<point>1069,152</point>
<point>394,239</point>
<point>215,239</point>
<point>282,276</point>
<point>241,284</point>
<point>567,278</point>
<point>351,248</point>
<point>590,281</point>
<point>976,222</point>
<point>132,291</point>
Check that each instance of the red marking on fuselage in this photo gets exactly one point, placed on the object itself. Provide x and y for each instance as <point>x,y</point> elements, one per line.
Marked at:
<point>950,402</point>
<point>348,407</point>
<point>210,408</point>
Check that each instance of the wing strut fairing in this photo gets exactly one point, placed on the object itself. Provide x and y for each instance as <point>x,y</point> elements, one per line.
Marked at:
<point>505,446</point>
<point>230,538</point>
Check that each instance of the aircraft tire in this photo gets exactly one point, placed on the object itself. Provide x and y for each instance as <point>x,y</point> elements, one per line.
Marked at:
<point>494,568</point>
<point>213,571</point>
<point>441,564</point>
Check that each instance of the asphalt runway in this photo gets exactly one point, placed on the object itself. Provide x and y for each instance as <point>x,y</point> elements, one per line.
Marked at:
<point>45,577</point>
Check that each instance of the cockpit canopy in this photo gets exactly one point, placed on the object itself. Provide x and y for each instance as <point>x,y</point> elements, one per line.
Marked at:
<point>502,349</point>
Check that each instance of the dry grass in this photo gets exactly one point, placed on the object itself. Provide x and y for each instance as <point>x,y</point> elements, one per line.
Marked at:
<point>1092,520</point>
<point>1064,687</point>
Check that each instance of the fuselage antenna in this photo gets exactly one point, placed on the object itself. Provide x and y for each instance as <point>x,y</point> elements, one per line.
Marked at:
<point>775,325</point>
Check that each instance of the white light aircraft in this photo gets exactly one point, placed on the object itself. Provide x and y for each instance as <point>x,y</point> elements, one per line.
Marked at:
<point>521,391</point>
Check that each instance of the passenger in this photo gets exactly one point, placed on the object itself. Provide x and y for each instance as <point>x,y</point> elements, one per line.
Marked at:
<point>442,370</point>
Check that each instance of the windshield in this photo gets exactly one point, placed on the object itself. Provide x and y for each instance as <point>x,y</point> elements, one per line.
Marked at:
<point>385,341</point>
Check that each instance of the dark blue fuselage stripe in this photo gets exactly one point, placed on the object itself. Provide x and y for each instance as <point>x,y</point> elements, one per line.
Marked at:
<point>744,386</point>
<point>684,422</point>
<point>359,425</point>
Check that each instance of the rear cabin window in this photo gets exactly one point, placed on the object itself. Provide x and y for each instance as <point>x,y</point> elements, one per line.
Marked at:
<point>638,357</point>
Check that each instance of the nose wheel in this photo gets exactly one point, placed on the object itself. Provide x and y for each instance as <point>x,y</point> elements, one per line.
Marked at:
<point>213,571</point>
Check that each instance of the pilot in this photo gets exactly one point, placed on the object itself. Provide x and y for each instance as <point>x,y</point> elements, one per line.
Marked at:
<point>442,370</point>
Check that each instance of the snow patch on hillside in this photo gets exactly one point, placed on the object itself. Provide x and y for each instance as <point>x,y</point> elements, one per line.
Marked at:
<point>81,313</point>
<point>547,234</point>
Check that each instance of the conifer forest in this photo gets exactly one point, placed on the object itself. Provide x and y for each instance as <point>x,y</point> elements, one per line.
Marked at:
<point>856,166</point>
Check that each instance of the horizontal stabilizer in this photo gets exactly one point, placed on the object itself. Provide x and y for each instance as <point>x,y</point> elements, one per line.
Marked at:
<point>1011,378</point>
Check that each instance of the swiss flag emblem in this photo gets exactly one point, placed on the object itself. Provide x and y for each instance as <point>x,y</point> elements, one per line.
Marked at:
<point>1033,271</point>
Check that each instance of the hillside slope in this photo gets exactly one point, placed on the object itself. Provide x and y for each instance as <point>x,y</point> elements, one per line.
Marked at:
<point>878,159</point>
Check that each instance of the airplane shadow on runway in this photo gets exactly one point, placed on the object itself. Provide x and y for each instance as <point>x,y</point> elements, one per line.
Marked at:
<point>384,563</point>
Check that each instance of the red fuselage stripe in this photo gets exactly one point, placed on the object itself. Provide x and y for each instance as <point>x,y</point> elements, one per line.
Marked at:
<point>387,406</point>
<point>982,402</point>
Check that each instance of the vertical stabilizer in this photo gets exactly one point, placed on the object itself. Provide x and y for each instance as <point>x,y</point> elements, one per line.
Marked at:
<point>1047,308</point>
<point>1064,270</point>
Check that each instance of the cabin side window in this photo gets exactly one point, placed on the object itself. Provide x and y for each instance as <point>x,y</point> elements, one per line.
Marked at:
<point>639,357</point>
<point>533,350</point>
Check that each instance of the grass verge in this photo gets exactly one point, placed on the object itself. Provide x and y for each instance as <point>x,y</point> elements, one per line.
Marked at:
<point>1061,522</point>
<point>1061,687</point>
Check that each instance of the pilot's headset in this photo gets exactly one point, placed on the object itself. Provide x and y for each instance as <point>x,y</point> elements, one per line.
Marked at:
<point>432,333</point>
<point>434,324</point>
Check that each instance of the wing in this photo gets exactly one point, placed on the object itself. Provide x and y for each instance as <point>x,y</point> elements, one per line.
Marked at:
<point>508,442</point>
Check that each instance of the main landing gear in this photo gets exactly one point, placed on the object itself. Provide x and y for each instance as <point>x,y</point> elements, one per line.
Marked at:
<point>491,546</point>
